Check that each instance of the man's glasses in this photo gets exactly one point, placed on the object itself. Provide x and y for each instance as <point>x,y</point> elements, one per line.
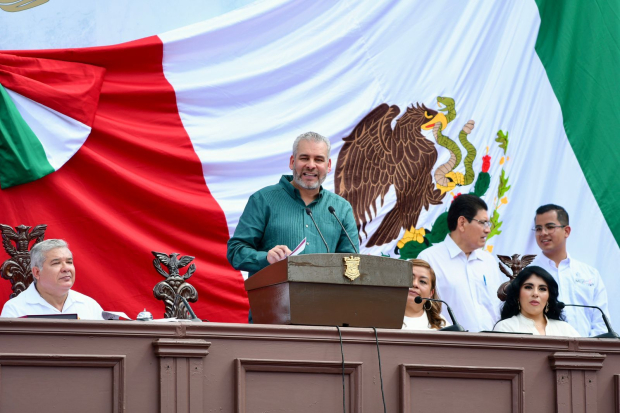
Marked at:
<point>549,227</point>
<point>486,224</point>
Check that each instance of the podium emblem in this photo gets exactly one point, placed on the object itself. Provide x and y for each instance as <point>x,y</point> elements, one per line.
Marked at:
<point>352,270</point>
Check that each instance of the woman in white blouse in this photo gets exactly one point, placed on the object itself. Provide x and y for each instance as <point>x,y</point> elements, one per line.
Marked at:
<point>427,314</point>
<point>532,306</point>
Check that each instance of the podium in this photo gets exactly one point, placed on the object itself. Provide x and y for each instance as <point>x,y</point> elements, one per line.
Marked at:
<point>312,289</point>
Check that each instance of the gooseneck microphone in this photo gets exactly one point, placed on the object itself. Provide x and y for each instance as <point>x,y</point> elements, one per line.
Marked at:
<point>333,212</point>
<point>309,212</point>
<point>610,331</point>
<point>455,324</point>
<point>187,307</point>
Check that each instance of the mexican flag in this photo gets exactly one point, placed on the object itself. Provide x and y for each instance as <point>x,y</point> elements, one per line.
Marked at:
<point>156,144</point>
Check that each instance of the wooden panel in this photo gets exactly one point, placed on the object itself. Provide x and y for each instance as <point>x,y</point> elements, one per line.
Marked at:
<point>196,383</point>
<point>576,381</point>
<point>181,348</point>
<point>300,386</point>
<point>591,396</point>
<point>181,374</point>
<point>576,361</point>
<point>563,391</point>
<point>57,383</point>
<point>342,305</point>
<point>271,304</point>
<point>617,392</point>
<point>460,388</point>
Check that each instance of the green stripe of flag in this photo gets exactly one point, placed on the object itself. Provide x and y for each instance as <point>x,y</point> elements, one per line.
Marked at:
<point>22,157</point>
<point>579,46</point>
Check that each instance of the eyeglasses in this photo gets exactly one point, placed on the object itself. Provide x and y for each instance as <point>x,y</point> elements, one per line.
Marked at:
<point>486,224</point>
<point>549,227</point>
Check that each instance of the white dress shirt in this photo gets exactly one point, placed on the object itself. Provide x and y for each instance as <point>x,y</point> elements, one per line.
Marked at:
<point>30,302</point>
<point>420,323</point>
<point>522,324</point>
<point>578,284</point>
<point>468,284</point>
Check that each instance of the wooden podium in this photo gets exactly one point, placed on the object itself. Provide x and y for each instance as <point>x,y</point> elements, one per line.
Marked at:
<point>313,290</point>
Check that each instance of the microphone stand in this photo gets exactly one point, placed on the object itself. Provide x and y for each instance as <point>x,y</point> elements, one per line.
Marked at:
<point>333,212</point>
<point>309,212</point>
<point>610,331</point>
<point>455,324</point>
<point>187,307</point>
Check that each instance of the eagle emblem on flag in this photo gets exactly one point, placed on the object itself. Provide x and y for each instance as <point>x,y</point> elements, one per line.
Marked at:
<point>376,157</point>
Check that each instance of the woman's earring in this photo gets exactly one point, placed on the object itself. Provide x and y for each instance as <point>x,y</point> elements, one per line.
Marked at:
<point>519,305</point>
<point>430,306</point>
<point>547,307</point>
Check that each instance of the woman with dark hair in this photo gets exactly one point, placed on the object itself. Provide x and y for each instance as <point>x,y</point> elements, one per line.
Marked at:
<point>532,306</point>
<point>427,314</point>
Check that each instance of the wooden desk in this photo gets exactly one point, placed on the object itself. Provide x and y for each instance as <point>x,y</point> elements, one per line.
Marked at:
<point>82,366</point>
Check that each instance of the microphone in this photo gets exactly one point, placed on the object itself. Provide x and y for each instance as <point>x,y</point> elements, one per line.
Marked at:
<point>333,212</point>
<point>610,331</point>
<point>187,307</point>
<point>455,324</point>
<point>309,212</point>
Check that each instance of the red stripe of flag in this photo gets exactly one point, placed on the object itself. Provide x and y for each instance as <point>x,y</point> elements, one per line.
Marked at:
<point>67,87</point>
<point>135,186</point>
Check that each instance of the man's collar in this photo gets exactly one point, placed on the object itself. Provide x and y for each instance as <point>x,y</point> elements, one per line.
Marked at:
<point>73,297</point>
<point>33,297</point>
<point>454,249</point>
<point>550,262</point>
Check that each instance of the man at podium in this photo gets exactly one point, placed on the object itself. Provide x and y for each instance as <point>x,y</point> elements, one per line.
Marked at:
<point>279,217</point>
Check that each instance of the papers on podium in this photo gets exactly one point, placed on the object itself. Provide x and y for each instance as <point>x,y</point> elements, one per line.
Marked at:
<point>114,315</point>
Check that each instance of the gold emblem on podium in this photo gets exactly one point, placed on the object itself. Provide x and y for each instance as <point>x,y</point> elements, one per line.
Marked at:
<point>352,270</point>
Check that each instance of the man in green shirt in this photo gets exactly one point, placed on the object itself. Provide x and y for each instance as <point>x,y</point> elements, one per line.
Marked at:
<point>275,220</point>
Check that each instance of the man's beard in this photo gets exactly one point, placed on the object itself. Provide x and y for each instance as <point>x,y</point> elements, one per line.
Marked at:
<point>301,183</point>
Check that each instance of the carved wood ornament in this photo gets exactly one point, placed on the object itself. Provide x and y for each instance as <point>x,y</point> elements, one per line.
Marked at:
<point>516,265</point>
<point>175,284</point>
<point>17,244</point>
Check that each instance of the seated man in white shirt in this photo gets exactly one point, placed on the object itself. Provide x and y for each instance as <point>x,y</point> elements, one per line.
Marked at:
<point>52,267</point>
<point>467,276</point>
<point>578,282</point>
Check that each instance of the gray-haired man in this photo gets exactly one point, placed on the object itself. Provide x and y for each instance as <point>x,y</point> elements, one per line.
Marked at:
<point>275,220</point>
<point>50,293</point>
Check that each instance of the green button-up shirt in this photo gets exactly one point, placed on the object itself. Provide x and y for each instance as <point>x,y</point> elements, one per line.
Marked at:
<point>276,215</point>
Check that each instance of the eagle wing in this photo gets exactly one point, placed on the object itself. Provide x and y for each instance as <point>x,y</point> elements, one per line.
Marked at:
<point>185,260</point>
<point>414,189</point>
<point>366,168</point>
<point>527,260</point>
<point>505,259</point>
<point>38,232</point>
<point>163,258</point>
<point>8,234</point>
